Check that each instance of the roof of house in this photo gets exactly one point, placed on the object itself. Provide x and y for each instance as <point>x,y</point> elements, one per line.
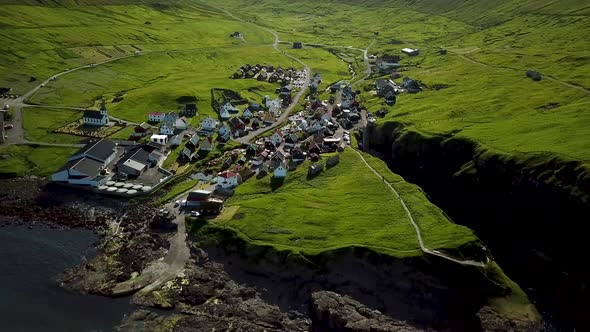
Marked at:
<point>86,166</point>
<point>227,174</point>
<point>134,164</point>
<point>156,113</point>
<point>280,133</point>
<point>236,122</point>
<point>190,107</point>
<point>100,150</point>
<point>92,114</point>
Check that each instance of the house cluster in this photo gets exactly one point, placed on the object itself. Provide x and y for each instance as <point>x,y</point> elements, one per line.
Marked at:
<point>96,118</point>
<point>170,123</point>
<point>388,89</point>
<point>237,123</point>
<point>100,160</point>
<point>269,73</point>
<point>348,111</point>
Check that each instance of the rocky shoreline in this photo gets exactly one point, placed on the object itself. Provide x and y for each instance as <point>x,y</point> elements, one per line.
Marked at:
<point>206,296</point>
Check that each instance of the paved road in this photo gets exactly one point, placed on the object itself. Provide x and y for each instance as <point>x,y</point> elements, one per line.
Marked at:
<point>295,100</point>
<point>416,228</point>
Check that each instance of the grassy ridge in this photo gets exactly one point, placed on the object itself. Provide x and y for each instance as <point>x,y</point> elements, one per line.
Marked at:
<point>345,205</point>
<point>24,160</point>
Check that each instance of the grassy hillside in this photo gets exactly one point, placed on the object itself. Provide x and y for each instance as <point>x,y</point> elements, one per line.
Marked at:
<point>485,94</point>
<point>343,206</point>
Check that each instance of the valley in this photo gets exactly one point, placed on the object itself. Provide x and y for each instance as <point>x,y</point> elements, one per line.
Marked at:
<point>402,155</point>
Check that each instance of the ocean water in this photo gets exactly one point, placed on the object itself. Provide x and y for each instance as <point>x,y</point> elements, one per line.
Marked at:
<point>30,297</point>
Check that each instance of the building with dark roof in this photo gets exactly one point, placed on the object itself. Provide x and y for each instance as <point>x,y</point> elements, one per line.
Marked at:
<point>87,167</point>
<point>102,150</point>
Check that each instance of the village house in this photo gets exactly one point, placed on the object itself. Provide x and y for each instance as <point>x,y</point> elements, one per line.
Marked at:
<point>224,114</point>
<point>280,171</point>
<point>189,110</point>
<point>209,125</point>
<point>277,158</point>
<point>315,126</point>
<point>194,141</point>
<point>291,140</point>
<point>383,87</point>
<point>161,139</point>
<point>143,127</point>
<point>297,154</point>
<point>195,198</point>
<point>410,51</point>
<point>156,116</point>
<point>137,159</point>
<point>297,45</point>
<point>224,130</point>
<point>277,138</point>
<point>246,113</point>
<point>181,123</point>
<point>176,140</point>
<point>166,129</point>
<point>96,118</point>
<point>238,126</point>
<point>229,108</point>
<point>228,179</point>
<point>170,118</point>
<point>189,152</point>
<point>207,144</point>
<point>88,166</point>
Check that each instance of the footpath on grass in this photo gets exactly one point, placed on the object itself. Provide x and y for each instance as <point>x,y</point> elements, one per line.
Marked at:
<point>413,222</point>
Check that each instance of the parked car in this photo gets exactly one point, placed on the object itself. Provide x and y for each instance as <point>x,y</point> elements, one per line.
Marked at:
<point>9,126</point>
<point>176,204</point>
<point>195,214</point>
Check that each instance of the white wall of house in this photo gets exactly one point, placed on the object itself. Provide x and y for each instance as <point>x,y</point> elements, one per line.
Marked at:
<point>156,118</point>
<point>227,183</point>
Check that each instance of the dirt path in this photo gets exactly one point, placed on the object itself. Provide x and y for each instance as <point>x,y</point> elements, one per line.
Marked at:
<point>483,64</point>
<point>413,222</point>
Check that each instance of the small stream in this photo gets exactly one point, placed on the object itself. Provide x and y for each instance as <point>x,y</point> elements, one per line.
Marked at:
<point>30,297</point>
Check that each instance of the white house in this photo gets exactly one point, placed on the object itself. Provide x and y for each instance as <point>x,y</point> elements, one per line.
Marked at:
<point>277,138</point>
<point>246,113</point>
<point>166,129</point>
<point>96,118</point>
<point>156,116</point>
<point>280,171</point>
<point>161,139</point>
<point>209,124</point>
<point>228,179</point>
<point>410,51</point>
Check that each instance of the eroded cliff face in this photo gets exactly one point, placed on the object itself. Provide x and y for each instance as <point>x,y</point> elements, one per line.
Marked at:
<point>530,209</point>
<point>424,292</point>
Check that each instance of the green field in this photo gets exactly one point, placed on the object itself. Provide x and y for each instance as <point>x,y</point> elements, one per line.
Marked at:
<point>25,160</point>
<point>346,205</point>
<point>487,96</point>
<point>40,122</point>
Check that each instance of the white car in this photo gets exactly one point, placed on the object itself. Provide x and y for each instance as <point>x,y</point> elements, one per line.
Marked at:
<point>176,204</point>
<point>195,214</point>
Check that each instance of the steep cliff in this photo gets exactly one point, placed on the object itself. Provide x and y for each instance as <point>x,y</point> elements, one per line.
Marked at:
<point>529,209</point>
